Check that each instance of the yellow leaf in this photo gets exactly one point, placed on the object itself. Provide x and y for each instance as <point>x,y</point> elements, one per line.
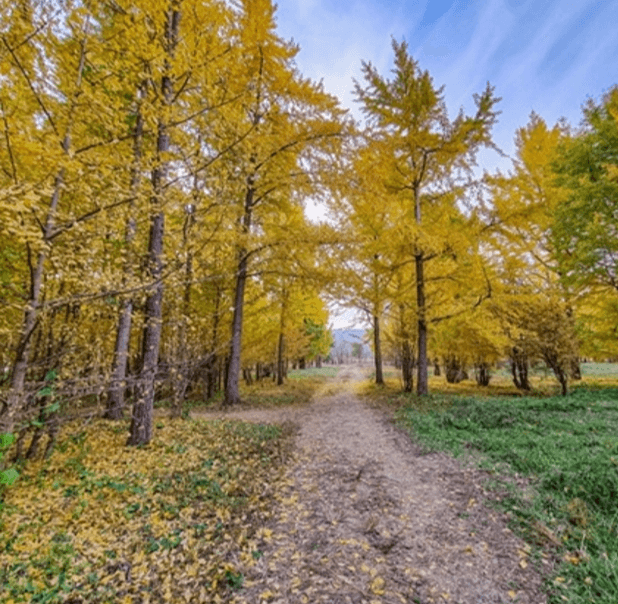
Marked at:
<point>523,563</point>
<point>266,595</point>
<point>377,586</point>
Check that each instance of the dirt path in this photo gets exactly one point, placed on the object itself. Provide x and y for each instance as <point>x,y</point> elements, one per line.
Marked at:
<point>365,518</point>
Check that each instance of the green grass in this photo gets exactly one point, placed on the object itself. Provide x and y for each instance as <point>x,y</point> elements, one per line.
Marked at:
<point>313,372</point>
<point>600,370</point>
<point>568,449</point>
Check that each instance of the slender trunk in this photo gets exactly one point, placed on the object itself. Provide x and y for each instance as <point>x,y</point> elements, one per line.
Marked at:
<point>519,368</point>
<point>181,378</point>
<point>407,365</point>
<point>281,345</point>
<point>142,418</point>
<point>280,359</point>
<point>116,394</point>
<point>436,367</point>
<point>213,370</point>
<point>407,359</point>
<point>483,374</point>
<point>232,394</point>
<point>422,383</point>
<point>553,361</point>
<point>21,362</point>
<point>378,350</point>
<point>575,369</point>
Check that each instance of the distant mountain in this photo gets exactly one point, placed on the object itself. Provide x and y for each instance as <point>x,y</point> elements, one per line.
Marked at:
<point>343,344</point>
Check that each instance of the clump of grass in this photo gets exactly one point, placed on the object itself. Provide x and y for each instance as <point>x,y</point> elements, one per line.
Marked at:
<point>568,449</point>
<point>314,372</point>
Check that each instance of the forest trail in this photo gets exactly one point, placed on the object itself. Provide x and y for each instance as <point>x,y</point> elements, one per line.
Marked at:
<point>364,517</point>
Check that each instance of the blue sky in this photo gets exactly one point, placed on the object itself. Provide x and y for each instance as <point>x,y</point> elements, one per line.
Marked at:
<point>546,56</point>
<point>541,55</point>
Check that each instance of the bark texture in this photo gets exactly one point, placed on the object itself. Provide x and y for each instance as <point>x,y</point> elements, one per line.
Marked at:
<point>142,417</point>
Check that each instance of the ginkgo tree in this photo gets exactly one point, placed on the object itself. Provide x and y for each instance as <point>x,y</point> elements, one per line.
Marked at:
<point>46,196</point>
<point>530,299</point>
<point>431,158</point>
<point>292,119</point>
<point>584,234</point>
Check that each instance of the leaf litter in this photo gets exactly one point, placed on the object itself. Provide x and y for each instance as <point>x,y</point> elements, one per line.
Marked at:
<point>225,511</point>
<point>363,516</point>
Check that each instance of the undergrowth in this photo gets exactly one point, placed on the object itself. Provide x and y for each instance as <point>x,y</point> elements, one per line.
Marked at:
<point>298,388</point>
<point>168,522</point>
<point>566,448</point>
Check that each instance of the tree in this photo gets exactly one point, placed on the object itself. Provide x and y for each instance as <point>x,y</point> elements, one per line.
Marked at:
<point>291,119</point>
<point>584,233</point>
<point>363,267</point>
<point>56,126</point>
<point>530,299</point>
<point>431,158</point>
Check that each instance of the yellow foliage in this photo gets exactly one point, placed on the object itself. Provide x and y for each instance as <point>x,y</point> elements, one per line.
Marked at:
<point>103,518</point>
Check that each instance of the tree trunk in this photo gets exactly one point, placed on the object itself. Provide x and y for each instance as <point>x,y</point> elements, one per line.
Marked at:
<point>143,406</point>
<point>246,374</point>
<point>378,350</point>
<point>115,397</point>
<point>280,359</point>
<point>181,375</point>
<point>454,369</point>
<point>483,375</point>
<point>116,394</point>
<point>406,362</point>
<point>436,367</point>
<point>232,394</point>
<point>281,344</point>
<point>519,368</point>
<point>407,366</point>
<point>21,362</point>
<point>555,364</point>
<point>422,383</point>
<point>575,369</point>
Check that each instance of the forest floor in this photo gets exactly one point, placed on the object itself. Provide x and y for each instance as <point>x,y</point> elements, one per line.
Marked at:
<point>366,516</point>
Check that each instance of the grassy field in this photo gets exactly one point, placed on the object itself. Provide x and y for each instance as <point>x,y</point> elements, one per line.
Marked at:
<point>565,449</point>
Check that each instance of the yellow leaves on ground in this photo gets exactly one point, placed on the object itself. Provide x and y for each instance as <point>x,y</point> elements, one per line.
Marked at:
<point>169,522</point>
<point>378,586</point>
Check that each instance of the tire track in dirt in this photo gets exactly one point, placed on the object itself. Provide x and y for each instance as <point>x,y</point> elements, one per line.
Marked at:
<point>362,517</point>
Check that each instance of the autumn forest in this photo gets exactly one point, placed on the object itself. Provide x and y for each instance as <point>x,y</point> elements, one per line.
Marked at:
<point>155,161</point>
<point>156,158</point>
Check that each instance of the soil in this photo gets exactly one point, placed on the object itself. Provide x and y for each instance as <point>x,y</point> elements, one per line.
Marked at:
<point>366,517</point>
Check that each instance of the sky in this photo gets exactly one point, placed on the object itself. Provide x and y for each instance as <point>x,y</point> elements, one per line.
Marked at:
<point>546,56</point>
